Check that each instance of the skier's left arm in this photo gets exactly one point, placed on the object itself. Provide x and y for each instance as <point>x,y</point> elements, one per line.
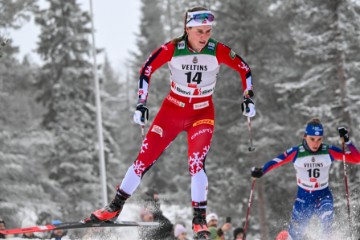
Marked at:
<point>227,56</point>
<point>351,156</point>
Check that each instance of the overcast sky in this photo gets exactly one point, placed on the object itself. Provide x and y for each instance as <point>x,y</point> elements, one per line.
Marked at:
<point>116,23</point>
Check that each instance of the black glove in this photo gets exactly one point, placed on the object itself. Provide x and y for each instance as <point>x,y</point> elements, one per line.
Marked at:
<point>256,172</point>
<point>248,107</point>
<point>141,114</point>
<point>343,132</point>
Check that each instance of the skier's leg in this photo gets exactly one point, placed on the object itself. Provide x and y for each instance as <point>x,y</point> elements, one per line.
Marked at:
<point>199,140</point>
<point>159,136</point>
<point>325,212</point>
<point>300,218</point>
<point>199,183</point>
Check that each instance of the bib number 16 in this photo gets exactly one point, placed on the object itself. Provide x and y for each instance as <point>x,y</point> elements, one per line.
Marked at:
<point>314,173</point>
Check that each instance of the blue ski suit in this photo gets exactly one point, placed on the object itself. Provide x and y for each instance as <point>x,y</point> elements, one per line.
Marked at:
<point>314,197</point>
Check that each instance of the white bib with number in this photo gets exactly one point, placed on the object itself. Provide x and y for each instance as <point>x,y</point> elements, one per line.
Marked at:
<point>312,170</point>
<point>194,74</point>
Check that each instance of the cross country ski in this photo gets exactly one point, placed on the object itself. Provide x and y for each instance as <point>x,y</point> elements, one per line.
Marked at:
<point>75,225</point>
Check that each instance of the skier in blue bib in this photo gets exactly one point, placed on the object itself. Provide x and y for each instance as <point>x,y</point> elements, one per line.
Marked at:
<point>312,160</point>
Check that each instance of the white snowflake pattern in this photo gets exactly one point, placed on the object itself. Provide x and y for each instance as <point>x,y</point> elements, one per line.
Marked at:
<point>196,162</point>
<point>138,167</point>
<point>144,146</point>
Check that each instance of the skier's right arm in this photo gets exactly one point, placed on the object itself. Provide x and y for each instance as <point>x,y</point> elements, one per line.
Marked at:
<point>156,59</point>
<point>280,160</point>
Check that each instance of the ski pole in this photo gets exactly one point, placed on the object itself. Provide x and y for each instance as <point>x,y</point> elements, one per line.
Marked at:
<point>143,132</point>
<point>249,206</point>
<point>346,183</point>
<point>251,147</point>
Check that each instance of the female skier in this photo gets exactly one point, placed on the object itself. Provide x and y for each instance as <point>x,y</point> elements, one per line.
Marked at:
<point>194,60</point>
<point>312,160</point>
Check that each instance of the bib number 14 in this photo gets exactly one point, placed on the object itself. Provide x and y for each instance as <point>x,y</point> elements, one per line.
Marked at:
<point>196,78</point>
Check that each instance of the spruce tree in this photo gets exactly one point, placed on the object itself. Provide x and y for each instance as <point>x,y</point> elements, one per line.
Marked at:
<point>66,90</point>
<point>23,143</point>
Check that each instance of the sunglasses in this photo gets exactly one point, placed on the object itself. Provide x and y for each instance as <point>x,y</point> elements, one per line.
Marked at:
<point>201,17</point>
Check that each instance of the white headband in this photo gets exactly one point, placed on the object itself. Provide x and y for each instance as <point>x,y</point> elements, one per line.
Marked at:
<point>199,18</point>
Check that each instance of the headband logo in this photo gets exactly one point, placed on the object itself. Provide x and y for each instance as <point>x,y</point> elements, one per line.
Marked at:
<point>314,130</point>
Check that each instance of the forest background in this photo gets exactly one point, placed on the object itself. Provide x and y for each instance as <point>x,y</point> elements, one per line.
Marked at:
<point>305,61</point>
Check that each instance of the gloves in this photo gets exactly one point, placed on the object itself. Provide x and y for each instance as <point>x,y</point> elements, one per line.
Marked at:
<point>343,132</point>
<point>248,108</point>
<point>141,114</point>
<point>256,172</point>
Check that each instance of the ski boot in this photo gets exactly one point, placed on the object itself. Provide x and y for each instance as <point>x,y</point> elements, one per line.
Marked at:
<point>110,212</point>
<point>199,225</point>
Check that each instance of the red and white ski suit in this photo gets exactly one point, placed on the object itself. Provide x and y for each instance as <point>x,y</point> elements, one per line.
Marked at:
<point>188,107</point>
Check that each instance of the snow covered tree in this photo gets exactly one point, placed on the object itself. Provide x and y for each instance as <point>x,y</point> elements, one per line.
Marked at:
<point>66,90</point>
<point>15,13</point>
<point>323,34</point>
<point>23,144</point>
<point>109,79</point>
